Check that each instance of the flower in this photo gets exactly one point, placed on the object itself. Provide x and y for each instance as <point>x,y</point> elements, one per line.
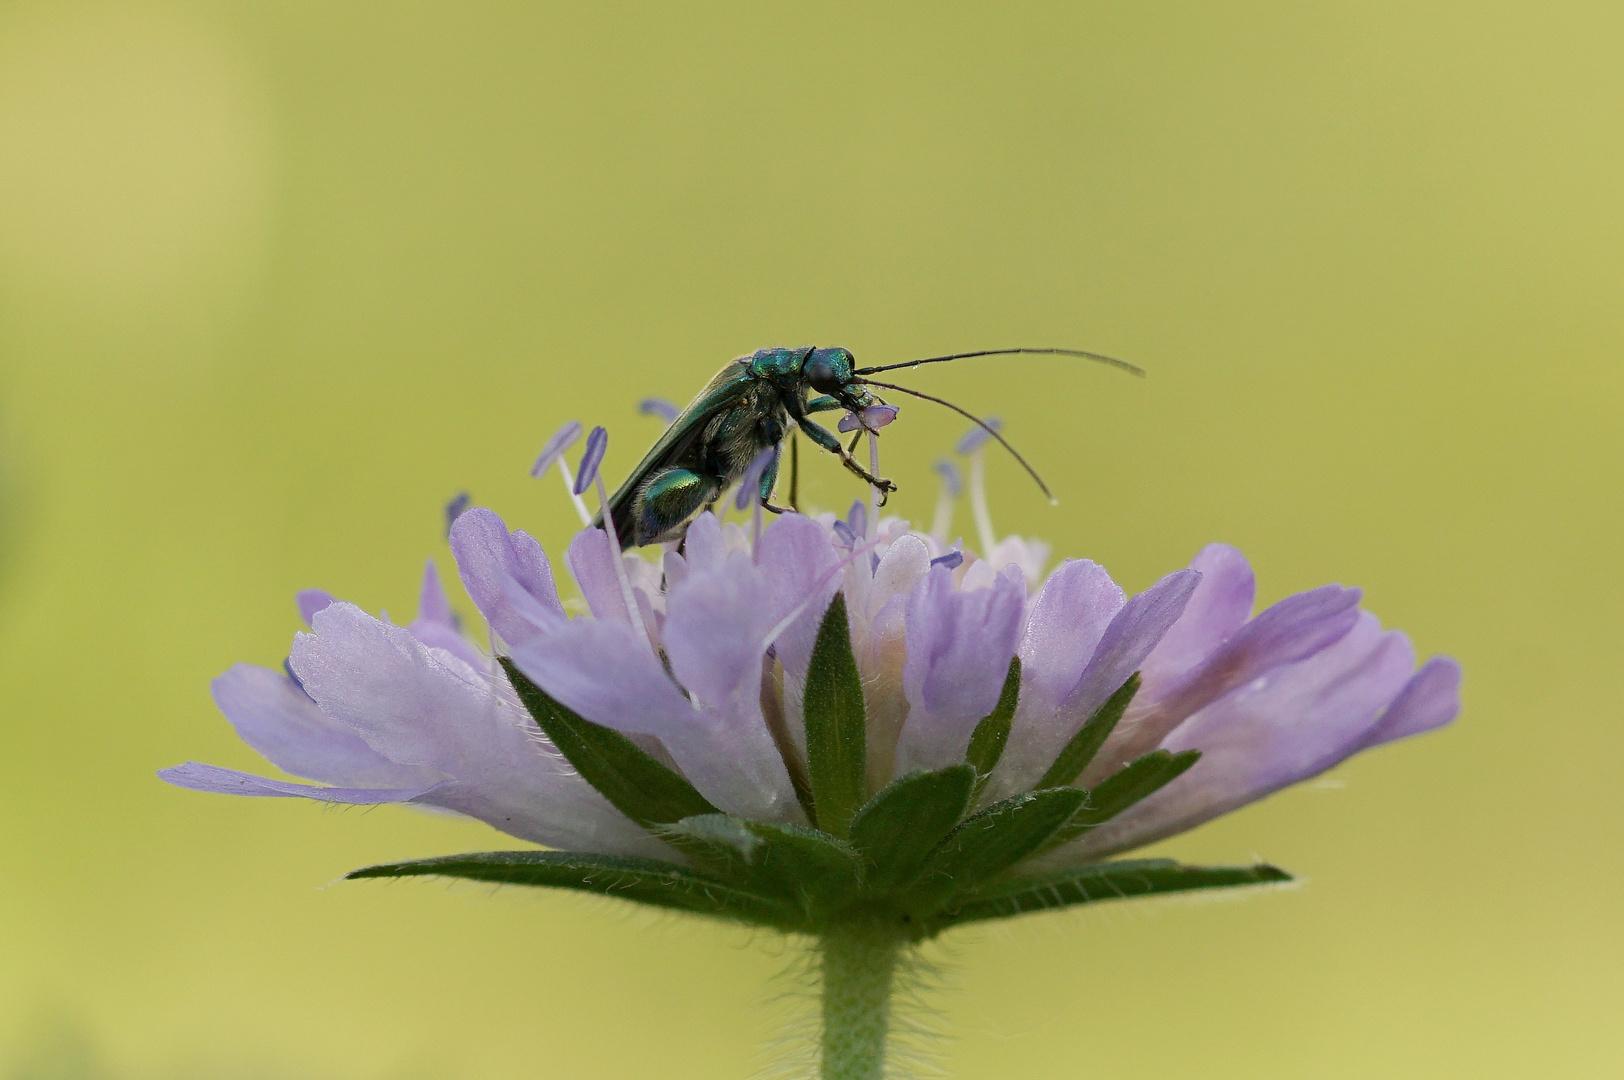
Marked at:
<point>812,717</point>
<point>837,727</point>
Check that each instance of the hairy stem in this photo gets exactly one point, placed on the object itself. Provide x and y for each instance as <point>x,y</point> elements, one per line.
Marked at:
<point>859,962</point>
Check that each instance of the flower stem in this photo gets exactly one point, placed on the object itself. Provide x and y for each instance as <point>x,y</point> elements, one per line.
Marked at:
<point>859,961</point>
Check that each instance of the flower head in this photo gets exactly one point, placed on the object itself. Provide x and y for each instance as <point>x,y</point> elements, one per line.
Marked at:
<point>794,724</point>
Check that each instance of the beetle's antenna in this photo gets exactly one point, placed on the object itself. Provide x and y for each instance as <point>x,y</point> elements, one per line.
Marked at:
<point>1113,361</point>
<point>1033,473</point>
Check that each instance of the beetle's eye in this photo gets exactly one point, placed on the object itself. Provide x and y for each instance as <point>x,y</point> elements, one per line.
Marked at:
<point>821,374</point>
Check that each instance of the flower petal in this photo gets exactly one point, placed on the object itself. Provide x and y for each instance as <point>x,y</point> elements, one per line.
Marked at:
<point>591,558</point>
<point>607,674</point>
<point>797,563</point>
<point>212,778</point>
<point>507,576</point>
<point>1221,604</point>
<point>715,628</point>
<point>436,625</point>
<point>277,718</point>
<point>1133,633</point>
<point>1285,727</point>
<point>1042,723</point>
<point>421,706</point>
<point>1069,616</point>
<point>959,649</point>
<point>1429,700</point>
<point>311,601</point>
<point>1297,627</point>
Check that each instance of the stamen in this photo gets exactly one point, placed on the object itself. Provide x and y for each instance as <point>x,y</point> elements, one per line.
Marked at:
<point>952,560</point>
<point>454,510</point>
<point>873,492</point>
<point>553,453</point>
<point>977,437</point>
<point>599,441</point>
<point>952,484</point>
<point>749,485</point>
<point>562,440</point>
<point>659,407</point>
<point>974,443</point>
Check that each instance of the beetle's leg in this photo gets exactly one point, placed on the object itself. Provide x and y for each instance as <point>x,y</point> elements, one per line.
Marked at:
<point>764,489</point>
<point>666,502</point>
<point>823,403</point>
<point>794,473</point>
<point>826,439</point>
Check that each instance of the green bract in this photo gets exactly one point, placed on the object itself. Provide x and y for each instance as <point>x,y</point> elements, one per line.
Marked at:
<point>912,860</point>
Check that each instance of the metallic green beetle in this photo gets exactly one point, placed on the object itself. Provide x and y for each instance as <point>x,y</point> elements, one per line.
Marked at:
<point>753,404</point>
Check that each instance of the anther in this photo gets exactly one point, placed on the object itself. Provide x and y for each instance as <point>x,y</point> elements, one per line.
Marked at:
<point>658,407</point>
<point>870,419</point>
<point>454,510</point>
<point>591,458</point>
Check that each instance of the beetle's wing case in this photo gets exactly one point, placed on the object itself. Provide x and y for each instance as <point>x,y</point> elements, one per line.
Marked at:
<point>676,445</point>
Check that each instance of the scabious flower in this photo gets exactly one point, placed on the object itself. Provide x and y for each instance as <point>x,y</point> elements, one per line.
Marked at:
<point>839,727</point>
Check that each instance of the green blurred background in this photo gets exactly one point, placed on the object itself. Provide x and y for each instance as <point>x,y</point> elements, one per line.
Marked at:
<point>279,279</point>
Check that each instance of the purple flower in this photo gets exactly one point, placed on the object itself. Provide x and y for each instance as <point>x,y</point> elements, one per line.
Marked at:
<point>380,713</point>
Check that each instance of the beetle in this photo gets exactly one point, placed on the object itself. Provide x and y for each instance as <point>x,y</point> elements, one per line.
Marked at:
<point>752,405</point>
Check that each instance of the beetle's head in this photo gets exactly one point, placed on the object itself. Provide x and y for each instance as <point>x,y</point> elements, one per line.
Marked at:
<point>828,371</point>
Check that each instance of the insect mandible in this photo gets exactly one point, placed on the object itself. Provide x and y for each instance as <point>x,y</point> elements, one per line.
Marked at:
<point>753,404</point>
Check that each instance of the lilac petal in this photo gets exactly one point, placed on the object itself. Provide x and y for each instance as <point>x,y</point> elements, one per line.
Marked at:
<point>704,547</point>
<point>1296,628</point>
<point>715,626</point>
<point>959,648</point>
<point>596,443</point>
<point>1069,616</point>
<point>752,476</point>
<point>857,518</point>
<point>591,558</point>
<point>1132,635</point>
<point>562,440</point>
<point>311,601</point>
<point>798,561</point>
<point>977,437</point>
<point>604,672</point>
<point>1429,700</point>
<point>212,778</point>
<point>422,707</point>
<point>507,575</point>
<point>1293,724</point>
<point>1050,712</point>
<point>872,419</point>
<point>432,604</point>
<point>659,407</point>
<point>275,717</point>
<point>952,479</point>
<point>1220,606</point>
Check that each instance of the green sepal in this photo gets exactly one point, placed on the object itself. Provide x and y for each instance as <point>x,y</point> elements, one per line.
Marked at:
<point>1082,747</point>
<point>836,724</point>
<point>1143,777</point>
<point>898,828</point>
<point>640,787</point>
<point>992,732</point>
<point>992,841</point>
<point>803,867</point>
<point>1098,881</point>
<point>646,881</point>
